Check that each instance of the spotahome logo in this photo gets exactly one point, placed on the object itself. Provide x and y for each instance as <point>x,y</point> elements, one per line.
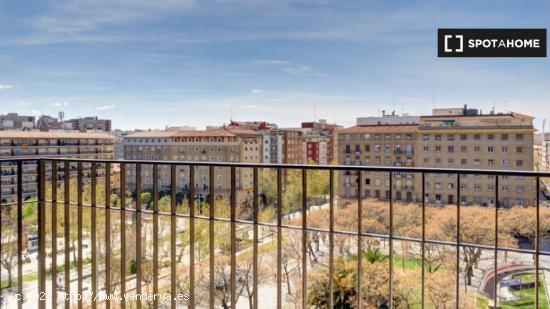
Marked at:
<point>491,42</point>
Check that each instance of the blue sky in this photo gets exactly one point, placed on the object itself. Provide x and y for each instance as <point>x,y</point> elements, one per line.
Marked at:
<point>149,63</point>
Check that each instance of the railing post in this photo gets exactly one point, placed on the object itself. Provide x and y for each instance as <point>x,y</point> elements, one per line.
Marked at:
<point>108,235</point>
<point>41,234</point>
<point>155,233</point>
<point>138,236</point>
<point>123,235</point>
<point>359,240</point>
<point>173,279</point>
<point>211,245</point>
<point>457,291</point>
<point>233,235</point>
<point>67,232</point>
<point>20,234</point>
<point>54,235</point>
<point>331,240</point>
<point>537,243</point>
<point>423,243</point>
<point>495,282</point>
<point>255,239</point>
<point>191,202</point>
<point>304,238</point>
<point>279,236</point>
<point>79,235</point>
<point>93,192</point>
<point>391,240</point>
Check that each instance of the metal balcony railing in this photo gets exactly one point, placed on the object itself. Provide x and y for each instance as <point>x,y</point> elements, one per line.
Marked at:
<point>143,269</point>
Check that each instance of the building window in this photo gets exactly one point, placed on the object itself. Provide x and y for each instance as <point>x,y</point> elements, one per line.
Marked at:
<point>426,148</point>
<point>519,137</point>
<point>504,137</point>
<point>438,137</point>
<point>519,149</point>
<point>477,136</point>
<point>504,149</point>
<point>450,148</point>
<point>519,162</point>
<point>463,161</point>
<point>490,136</point>
<point>425,137</point>
<point>463,137</point>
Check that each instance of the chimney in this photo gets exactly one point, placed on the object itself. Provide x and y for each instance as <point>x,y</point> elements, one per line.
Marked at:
<point>383,113</point>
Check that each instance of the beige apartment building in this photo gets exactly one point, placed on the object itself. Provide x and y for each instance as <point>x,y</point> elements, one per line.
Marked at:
<point>36,144</point>
<point>450,138</point>
<point>453,138</point>
<point>213,145</point>
<point>377,145</point>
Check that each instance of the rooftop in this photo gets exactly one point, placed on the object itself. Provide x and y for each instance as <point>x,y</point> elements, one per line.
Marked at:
<point>54,134</point>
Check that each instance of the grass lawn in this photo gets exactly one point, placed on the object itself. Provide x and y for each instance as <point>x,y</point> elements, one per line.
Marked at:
<point>526,296</point>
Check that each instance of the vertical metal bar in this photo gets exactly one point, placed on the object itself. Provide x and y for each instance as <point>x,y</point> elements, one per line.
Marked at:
<point>331,240</point>
<point>359,240</point>
<point>211,245</point>
<point>423,243</point>
<point>79,235</point>
<point>279,237</point>
<point>457,291</point>
<point>67,231</point>
<point>233,236</point>
<point>495,281</point>
<point>93,192</point>
<point>108,234</point>
<point>1,224</point>
<point>255,240</point>
<point>537,244</point>
<point>391,239</point>
<point>20,232</point>
<point>41,234</point>
<point>191,202</point>
<point>173,235</point>
<point>123,235</point>
<point>155,234</point>
<point>138,235</point>
<point>304,238</point>
<point>54,235</point>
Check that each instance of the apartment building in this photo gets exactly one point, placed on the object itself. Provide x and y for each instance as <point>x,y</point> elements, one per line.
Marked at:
<point>293,146</point>
<point>15,121</point>
<point>35,144</point>
<point>213,145</point>
<point>324,134</point>
<point>450,138</point>
<point>88,124</point>
<point>465,138</point>
<point>377,145</point>
<point>272,138</point>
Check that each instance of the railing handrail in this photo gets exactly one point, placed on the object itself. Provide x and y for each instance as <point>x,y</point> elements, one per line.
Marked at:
<point>373,168</point>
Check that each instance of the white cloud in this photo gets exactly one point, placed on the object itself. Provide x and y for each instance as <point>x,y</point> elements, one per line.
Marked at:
<point>35,112</point>
<point>24,103</point>
<point>5,87</point>
<point>248,106</point>
<point>105,107</point>
<point>298,69</point>
<point>257,91</point>
<point>274,61</point>
<point>60,104</point>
